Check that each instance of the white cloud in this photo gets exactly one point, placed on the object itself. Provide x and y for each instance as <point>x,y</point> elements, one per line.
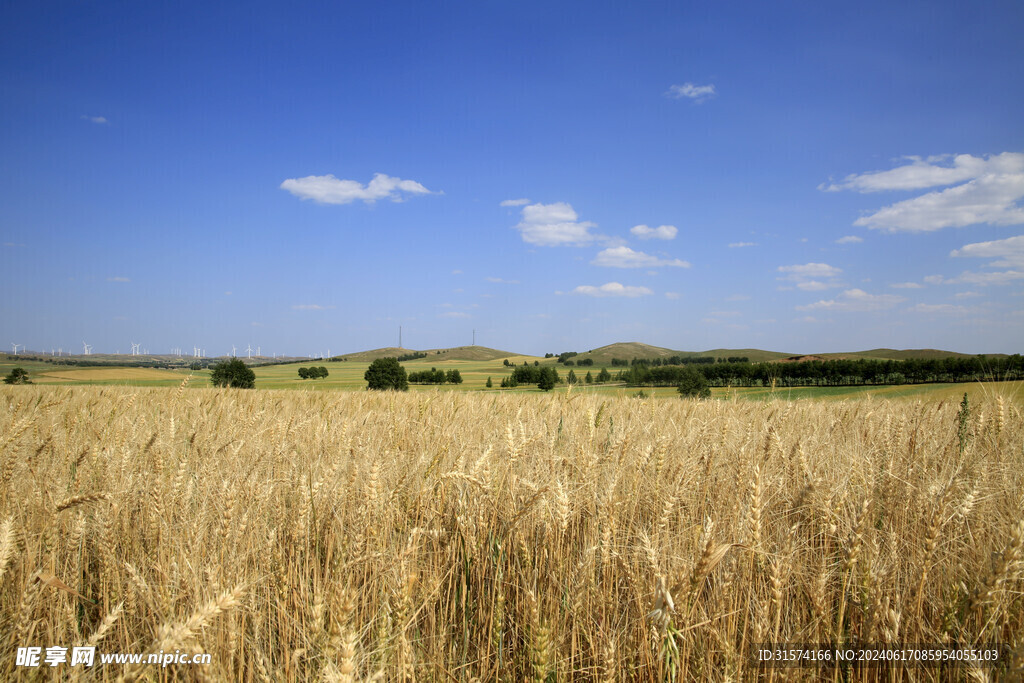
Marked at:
<point>855,300</point>
<point>923,173</point>
<point>456,272</point>
<point>552,225</point>
<point>990,199</point>
<point>850,239</point>
<point>907,285</point>
<point>809,270</point>
<point>118,279</point>
<point>455,314</point>
<point>662,232</point>
<point>310,307</point>
<point>984,190</point>
<point>1004,277</point>
<point>326,189</point>
<point>697,93</point>
<point>811,277</point>
<point>672,295</point>
<point>501,281</point>
<point>937,308</point>
<point>95,119</point>
<point>1009,253</point>
<point>624,257</point>
<point>515,202</point>
<point>966,295</point>
<point>739,245</point>
<point>612,289</point>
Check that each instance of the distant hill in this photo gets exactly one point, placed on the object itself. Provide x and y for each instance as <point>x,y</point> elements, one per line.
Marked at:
<point>905,354</point>
<point>631,350</point>
<point>454,353</point>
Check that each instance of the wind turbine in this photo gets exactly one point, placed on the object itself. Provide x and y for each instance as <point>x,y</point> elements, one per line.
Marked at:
<point>135,348</point>
<point>248,349</point>
<point>232,350</point>
<point>86,348</point>
<point>15,347</point>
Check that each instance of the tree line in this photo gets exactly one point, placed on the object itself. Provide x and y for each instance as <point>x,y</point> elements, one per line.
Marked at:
<point>830,373</point>
<point>435,376</point>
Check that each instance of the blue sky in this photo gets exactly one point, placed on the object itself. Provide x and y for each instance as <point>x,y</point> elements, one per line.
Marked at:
<point>801,177</point>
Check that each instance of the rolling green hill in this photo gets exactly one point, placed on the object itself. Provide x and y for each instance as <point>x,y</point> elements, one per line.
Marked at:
<point>631,350</point>
<point>454,353</point>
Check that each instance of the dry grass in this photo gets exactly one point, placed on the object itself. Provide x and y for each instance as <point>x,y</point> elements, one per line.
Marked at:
<point>453,537</point>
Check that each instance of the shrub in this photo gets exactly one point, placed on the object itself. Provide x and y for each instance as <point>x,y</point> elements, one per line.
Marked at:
<point>233,373</point>
<point>692,384</point>
<point>17,376</point>
<point>386,374</point>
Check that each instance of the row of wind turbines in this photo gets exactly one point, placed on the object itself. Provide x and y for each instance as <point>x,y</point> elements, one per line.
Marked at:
<point>197,352</point>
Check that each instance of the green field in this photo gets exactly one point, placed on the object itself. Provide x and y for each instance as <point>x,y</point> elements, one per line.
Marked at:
<point>348,375</point>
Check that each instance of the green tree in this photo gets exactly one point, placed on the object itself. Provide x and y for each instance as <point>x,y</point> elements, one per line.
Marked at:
<point>489,383</point>
<point>571,378</point>
<point>548,377</point>
<point>17,376</point>
<point>453,376</point>
<point>303,373</point>
<point>589,379</point>
<point>692,383</point>
<point>233,373</point>
<point>386,374</point>
<point>604,375</point>
<point>323,371</point>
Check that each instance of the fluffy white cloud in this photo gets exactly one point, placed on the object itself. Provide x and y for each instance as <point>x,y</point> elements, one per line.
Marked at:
<point>672,295</point>
<point>989,199</point>
<point>1009,253</point>
<point>922,173</point>
<point>552,225</point>
<point>907,285</point>
<point>612,289</point>
<point>515,202</point>
<point>811,277</point>
<point>984,190</point>
<point>855,300</point>
<point>624,257</point>
<point>697,93</point>
<point>118,279</point>
<point>501,281</point>
<point>662,232</point>
<point>739,245</point>
<point>96,119</point>
<point>326,189</point>
<point>850,239</point>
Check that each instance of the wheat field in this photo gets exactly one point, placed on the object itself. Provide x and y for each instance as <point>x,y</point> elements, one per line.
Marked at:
<point>355,536</point>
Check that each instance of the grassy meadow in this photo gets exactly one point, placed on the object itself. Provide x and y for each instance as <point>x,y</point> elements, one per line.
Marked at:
<point>348,375</point>
<point>469,536</point>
